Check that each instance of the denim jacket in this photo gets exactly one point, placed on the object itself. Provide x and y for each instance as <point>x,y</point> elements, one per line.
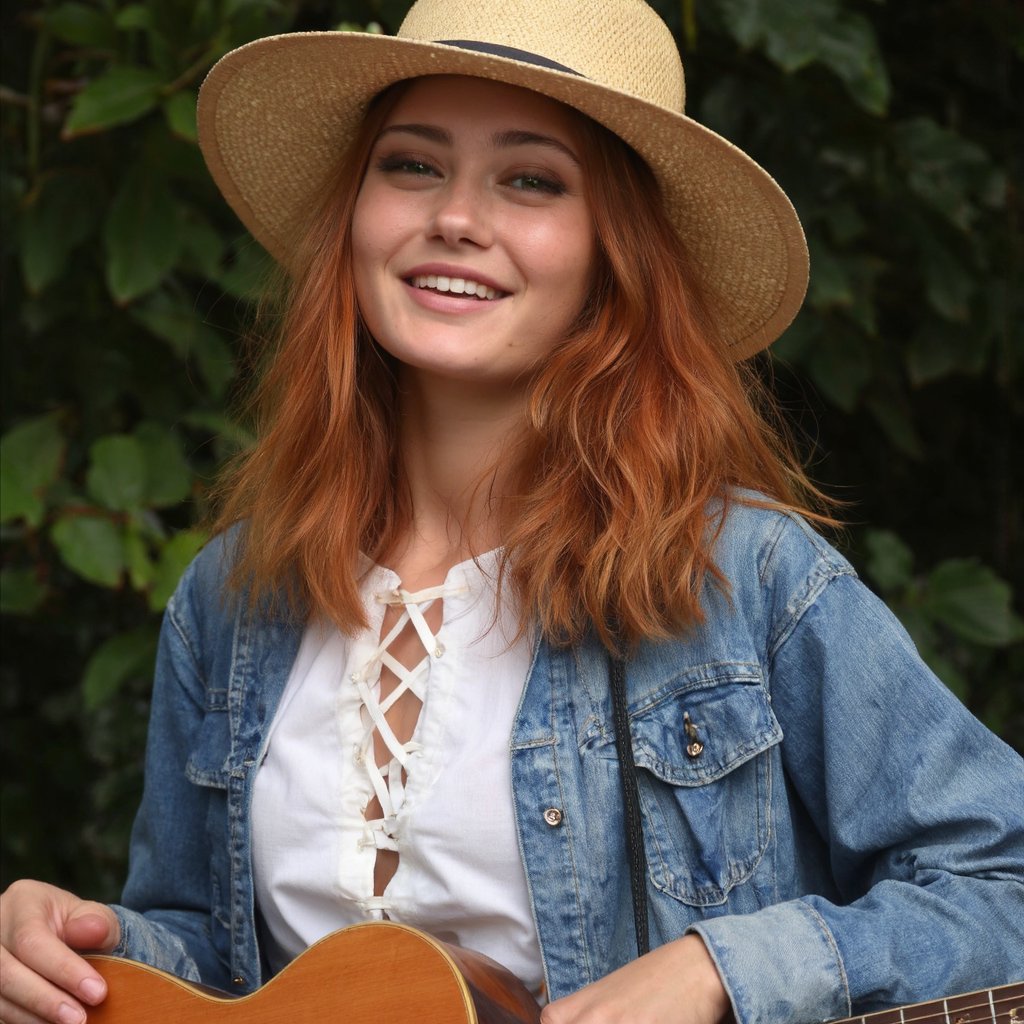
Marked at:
<point>847,838</point>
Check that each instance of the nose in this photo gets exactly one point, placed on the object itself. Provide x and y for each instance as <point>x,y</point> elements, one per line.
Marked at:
<point>462,215</point>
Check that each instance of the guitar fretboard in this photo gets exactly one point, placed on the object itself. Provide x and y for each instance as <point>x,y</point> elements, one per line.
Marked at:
<point>1004,1005</point>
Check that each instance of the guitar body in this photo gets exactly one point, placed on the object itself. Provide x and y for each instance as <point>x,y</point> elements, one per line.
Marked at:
<point>366,974</point>
<point>387,973</point>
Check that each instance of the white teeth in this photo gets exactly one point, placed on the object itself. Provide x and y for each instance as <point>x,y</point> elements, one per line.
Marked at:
<point>454,285</point>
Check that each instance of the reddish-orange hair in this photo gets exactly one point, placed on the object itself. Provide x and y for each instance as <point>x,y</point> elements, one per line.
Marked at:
<point>637,426</point>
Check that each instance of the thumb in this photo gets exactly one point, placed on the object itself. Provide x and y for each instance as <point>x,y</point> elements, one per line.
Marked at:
<point>92,926</point>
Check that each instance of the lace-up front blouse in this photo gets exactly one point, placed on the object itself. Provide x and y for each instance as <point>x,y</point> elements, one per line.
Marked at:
<point>445,794</point>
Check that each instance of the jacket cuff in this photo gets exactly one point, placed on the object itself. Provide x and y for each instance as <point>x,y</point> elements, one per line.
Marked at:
<point>780,963</point>
<point>150,943</point>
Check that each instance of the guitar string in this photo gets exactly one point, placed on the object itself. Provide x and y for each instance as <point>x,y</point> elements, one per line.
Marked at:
<point>952,1013</point>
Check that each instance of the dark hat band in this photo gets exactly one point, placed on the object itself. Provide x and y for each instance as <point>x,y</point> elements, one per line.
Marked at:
<point>496,50</point>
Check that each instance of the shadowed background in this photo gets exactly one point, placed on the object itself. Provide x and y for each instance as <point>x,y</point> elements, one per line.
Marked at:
<point>128,286</point>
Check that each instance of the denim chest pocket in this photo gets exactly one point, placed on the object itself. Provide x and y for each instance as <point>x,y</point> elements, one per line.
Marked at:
<point>705,782</point>
<point>207,764</point>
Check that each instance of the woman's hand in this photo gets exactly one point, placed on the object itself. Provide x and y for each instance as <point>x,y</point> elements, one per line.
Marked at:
<point>41,979</point>
<point>675,984</point>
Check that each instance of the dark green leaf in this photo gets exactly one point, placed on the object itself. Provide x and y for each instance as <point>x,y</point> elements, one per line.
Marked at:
<point>247,274</point>
<point>30,459</point>
<point>141,234</point>
<point>115,662</point>
<point>202,247</point>
<point>117,97</point>
<point>894,417</point>
<point>62,215</point>
<point>972,601</point>
<point>180,111</point>
<point>81,24</point>
<point>944,169</point>
<point>134,16</point>
<point>939,349</point>
<point>175,557</point>
<point>21,591</point>
<point>848,46</point>
<point>840,367</point>
<point>179,325</point>
<point>136,557</point>
<point>117,472</point>
<point>168,478</point>
<point>91,547</point>
<point>949,284</point>
<point>890,562</point>
<point>830,284</point>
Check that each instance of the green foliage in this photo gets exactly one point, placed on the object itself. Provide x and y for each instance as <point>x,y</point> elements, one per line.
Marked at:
<point>958,614</point>
<point>128,284</point>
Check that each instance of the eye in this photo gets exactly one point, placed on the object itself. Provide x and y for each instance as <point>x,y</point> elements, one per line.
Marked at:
<point>405,165</point>
<point>538,184</point>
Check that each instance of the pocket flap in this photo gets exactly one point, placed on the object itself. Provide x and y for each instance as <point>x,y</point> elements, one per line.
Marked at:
<point>731,719</point>
<point>207,764</point>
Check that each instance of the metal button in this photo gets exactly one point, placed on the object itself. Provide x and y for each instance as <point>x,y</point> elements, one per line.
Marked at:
<point>553,816</point>
<point>695,747</point>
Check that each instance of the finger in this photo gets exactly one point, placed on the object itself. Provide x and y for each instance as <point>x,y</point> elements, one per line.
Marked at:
<point>38,963</point>
<point>11,1014</point>
<point>92,926</point>
<point>28,998</point>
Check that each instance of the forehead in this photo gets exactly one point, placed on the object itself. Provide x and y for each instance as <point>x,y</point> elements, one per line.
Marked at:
<point>480,104</point>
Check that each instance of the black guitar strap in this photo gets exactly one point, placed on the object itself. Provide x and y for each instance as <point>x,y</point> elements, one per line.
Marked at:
<point>631,805</point>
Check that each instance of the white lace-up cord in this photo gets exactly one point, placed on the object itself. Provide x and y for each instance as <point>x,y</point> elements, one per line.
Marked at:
<point>387,780</point>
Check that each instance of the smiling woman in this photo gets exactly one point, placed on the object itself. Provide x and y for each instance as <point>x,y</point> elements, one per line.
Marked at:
<point>515,629</point>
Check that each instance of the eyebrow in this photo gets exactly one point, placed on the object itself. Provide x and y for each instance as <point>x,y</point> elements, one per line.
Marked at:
<point>500,140</point>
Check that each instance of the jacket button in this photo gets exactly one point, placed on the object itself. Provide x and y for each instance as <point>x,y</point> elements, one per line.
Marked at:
<point>553,816</point>
<point>238,981</point>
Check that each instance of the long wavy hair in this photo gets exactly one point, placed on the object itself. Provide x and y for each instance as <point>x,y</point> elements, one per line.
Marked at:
<point>637,426</point>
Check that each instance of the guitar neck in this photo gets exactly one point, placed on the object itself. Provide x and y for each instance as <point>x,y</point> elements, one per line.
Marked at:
<point>1004,1005</point>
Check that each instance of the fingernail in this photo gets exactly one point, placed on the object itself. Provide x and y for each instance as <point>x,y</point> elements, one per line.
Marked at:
<point>68,1014</point>
<point>92,989</point>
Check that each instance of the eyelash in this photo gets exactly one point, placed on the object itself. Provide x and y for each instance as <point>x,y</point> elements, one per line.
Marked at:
<point>549,186</point>
<point>540,184</point>
<point>404,164</point>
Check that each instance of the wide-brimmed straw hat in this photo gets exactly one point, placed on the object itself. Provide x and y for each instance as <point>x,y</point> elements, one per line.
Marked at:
<point>276,115</point>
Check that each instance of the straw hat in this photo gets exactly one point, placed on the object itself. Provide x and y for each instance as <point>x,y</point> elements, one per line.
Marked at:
<point>276,115</point>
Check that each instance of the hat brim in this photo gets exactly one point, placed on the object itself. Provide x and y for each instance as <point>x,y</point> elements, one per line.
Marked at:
<point>276,115</point>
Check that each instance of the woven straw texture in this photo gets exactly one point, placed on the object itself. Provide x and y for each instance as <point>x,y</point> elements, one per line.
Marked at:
<point>276,115</point>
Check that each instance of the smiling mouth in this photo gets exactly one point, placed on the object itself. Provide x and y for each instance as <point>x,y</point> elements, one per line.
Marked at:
<point>456,286</point>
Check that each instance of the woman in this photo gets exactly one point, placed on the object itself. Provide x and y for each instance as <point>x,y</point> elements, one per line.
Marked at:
<point>509,461</point>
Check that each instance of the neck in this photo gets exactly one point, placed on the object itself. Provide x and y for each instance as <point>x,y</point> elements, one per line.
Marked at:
<point>455,444</point>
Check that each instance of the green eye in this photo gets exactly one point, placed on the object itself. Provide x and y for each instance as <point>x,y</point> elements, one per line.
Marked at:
<point>405,165</point>
<point>537,183</point>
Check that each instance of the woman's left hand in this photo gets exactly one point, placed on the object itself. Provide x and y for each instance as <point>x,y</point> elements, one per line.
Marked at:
<point>675,984</point>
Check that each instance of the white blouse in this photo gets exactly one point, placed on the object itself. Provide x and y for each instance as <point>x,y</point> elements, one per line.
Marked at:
<point>450,819</point>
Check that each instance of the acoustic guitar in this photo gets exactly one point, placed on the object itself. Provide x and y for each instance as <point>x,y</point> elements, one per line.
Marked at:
<point>374,973</point>
<point>387,973</point>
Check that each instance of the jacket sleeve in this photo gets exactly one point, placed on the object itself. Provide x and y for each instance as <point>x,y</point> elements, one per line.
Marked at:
<point>167,900</point>
<point>920,809</point>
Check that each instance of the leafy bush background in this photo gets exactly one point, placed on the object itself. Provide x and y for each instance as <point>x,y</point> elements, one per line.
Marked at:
<point>127,287</point>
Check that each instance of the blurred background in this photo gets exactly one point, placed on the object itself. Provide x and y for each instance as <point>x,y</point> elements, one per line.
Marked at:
<point>127,288</point>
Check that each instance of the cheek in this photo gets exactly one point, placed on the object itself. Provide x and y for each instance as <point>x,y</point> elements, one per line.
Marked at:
<point>562,260</point>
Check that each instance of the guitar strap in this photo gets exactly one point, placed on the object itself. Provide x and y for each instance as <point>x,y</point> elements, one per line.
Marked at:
<point>631,805</point>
